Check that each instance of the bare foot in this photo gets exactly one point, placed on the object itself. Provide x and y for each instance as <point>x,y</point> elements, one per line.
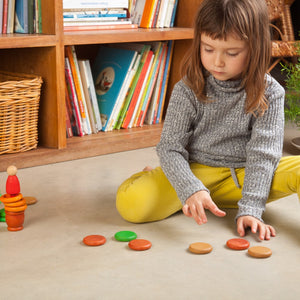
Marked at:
<point>147,168</point>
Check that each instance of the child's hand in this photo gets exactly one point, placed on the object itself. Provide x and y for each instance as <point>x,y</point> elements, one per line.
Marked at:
<point>195,207</point>
<point>265,231</point>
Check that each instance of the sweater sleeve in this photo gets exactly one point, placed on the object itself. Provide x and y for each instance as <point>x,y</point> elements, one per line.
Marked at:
<point>172,152</point>
<point>264,151</point>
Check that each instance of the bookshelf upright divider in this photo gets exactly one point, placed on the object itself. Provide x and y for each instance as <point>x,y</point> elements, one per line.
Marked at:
<point>43,54</point>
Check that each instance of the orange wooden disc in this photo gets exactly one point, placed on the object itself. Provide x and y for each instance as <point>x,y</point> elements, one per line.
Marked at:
<point>139,244</point>
<point>6,198</point>
<point>238,244</point>
<point>260,252</point>
<point>15,209</point>
<point>16,204</point>
<point>94,240</point>
<point>200,248</point>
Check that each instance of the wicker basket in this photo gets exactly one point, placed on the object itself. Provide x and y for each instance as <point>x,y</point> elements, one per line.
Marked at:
<point>19,106</point>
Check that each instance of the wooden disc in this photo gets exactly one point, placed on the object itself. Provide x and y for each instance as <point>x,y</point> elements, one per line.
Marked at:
<point>238,244</point>
<point>125,236</point>
<point>260,252</point>
<point>30,200</point>
<point>200,248</point>
<point>94,240</point>
<point>139,244</point>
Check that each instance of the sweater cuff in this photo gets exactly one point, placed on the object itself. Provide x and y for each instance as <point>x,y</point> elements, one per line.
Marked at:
<point>245,210</point>
<point>189,191</point>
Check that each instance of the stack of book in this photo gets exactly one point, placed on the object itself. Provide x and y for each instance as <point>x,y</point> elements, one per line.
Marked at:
<point>153,13</point>
<point>96,15</point>
<point>129,84</point>
<point>20,16</point>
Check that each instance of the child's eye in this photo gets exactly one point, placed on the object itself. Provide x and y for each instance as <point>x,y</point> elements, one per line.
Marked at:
<point>208,50</point>
<point>232,54</point>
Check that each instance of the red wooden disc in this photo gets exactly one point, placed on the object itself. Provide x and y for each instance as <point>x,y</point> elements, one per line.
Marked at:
<point>94,240</point>
<point>238,244</point>
<point>139,244</point>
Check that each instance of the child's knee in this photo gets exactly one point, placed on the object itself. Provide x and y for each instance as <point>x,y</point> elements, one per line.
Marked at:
<point>136,198</point>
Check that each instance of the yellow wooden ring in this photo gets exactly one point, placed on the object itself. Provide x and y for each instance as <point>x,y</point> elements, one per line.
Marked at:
<point>22,202</point>
<point>6,198</point>
<point>15,209</point>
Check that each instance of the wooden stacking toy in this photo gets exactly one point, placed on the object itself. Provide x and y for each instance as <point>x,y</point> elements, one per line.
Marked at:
<point>14,203</point>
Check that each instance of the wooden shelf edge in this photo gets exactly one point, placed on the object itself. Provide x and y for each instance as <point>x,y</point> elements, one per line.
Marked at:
<point>126,35</point>
<point>18,40</point>
<point>84,147</point>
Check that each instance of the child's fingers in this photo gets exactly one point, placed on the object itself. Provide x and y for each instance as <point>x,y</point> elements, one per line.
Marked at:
<point>215,210</point>
<point>240,227</point>
<point>186,210</point>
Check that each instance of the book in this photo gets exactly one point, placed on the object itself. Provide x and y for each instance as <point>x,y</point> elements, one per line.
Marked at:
<point>10,16</point>
<point>147,13</point>
<point>143,51</point>
<point>109,71</point>
<point>21,16</point>
<point>137,11</point>
<point>87,95</point>
<point>137,91</point>
<point>174,13</point>
<point>69,115</point>
<point>99,27</point>
<point>155,14</point>
<point>73,98</point>
<point>162,13</point>
<point>93,94</point>
<point>30,16</point>
<point>1,15</point>
<point>39,16</point>
<point>81,4</point>
<point>71,54</point>
<point>160,105</point>
<point>5,11</point>
<point>159,53</point>
<point>142,90</point>
<point>168,17</point>
<point>122,93</point>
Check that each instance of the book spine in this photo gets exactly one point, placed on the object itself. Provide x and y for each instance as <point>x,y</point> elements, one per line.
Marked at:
<point>21,16</point>
<point>73,97</point>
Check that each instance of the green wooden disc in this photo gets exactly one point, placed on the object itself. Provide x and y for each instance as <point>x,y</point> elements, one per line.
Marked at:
<point>125,236</point>
<point>2,215</point>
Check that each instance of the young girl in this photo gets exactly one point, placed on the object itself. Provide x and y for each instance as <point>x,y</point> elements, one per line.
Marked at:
<point>222,138</point>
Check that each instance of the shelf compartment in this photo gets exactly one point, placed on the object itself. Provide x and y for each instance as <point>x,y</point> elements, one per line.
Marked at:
<point>125,35</point>
<point>87,146</point>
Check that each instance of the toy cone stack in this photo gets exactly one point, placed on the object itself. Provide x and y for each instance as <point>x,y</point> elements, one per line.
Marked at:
<point>14,203</point>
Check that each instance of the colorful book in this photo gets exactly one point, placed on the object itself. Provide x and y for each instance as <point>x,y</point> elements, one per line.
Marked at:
<point>69,115</point>
<point>170,8</point>
<point>30,16</point>
<point>21,16</point>
<point>162,13</point>
<point>142,90</point>
<point>156,67</point>
<point>143,51</point>
<point>11,16</point>
<point>147,56</point>
<point>148,13</point>
<point>89,27</point>
<point>109,72</point>
<point>71,54</point>
<point>174,13</point>
<point>159,111</point>
<point>1,15</point>
<point>73,98</point>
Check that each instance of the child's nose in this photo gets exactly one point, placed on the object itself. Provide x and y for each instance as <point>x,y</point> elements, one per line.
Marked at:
<point>219,62</point>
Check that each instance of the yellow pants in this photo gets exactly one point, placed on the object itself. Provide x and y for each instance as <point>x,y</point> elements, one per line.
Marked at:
<point>148,196</point>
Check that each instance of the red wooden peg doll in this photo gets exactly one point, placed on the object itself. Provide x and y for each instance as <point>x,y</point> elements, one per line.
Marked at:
<point>12,182</point>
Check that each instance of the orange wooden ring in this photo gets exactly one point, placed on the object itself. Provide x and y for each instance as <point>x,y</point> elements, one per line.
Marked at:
<point>16,204</point>
<point>15,209</point>
<point>6,198</point>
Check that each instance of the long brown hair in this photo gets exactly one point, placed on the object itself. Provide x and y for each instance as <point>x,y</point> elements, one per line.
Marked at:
<point>246,19</point>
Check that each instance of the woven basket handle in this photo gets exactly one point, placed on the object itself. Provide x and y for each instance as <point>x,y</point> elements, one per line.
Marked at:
<point>279,31</point>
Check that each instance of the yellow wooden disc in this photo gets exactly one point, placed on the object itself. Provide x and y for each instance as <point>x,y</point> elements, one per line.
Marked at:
<point>200,248</point>
<point>260,252</point>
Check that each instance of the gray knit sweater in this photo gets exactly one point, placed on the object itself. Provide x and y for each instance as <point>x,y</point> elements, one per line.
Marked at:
<point>221,134</point>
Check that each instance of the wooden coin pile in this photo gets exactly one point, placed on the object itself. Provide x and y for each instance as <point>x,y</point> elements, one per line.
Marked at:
<point>13,203</point>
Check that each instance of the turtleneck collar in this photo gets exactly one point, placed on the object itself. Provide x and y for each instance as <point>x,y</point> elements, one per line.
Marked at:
<point>225,86</point>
